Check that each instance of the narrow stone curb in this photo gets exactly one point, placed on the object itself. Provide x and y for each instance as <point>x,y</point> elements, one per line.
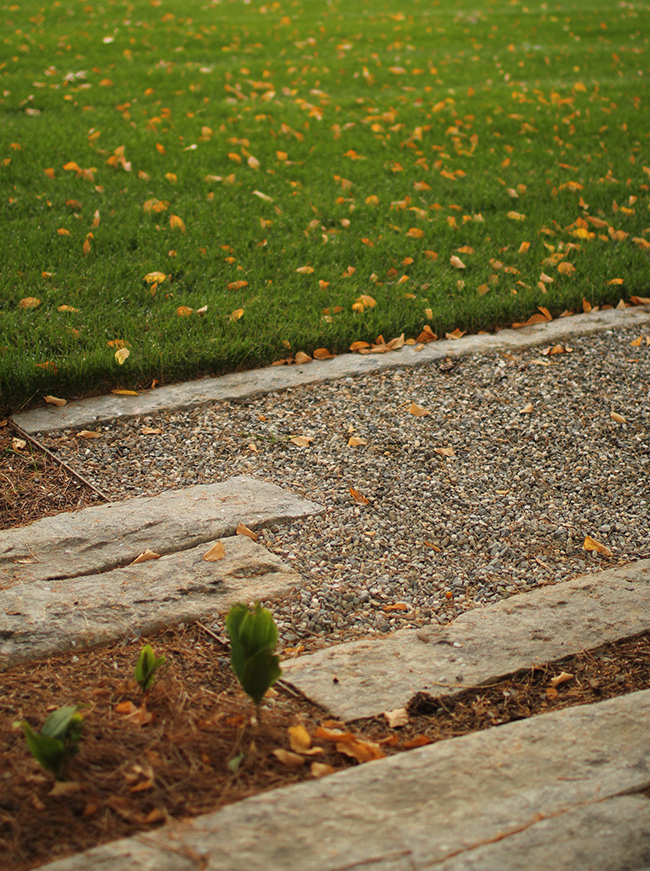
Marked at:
<point>482,801</point>
<point>365,678</point>
<point>178,397</point>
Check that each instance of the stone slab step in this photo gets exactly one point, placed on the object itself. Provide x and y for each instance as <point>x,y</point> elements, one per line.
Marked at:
<point>107,536</point>
<point>364,678</point>
<point>558,791</point>
<point>177,397</point>
<point>47,617</point>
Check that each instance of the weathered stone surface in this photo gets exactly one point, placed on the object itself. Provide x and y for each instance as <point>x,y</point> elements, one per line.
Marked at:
<point>89,412</point>
<point>47,617</point>
<point>479,646</point>
<point>429,806</point>
<point>102,538</point>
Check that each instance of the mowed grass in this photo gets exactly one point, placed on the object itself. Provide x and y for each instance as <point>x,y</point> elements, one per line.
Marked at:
<point>228,145</point>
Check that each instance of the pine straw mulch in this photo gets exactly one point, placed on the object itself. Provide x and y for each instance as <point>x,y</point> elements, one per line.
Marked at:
<point>191,746</point>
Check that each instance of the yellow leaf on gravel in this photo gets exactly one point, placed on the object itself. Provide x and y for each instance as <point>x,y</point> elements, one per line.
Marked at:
<point>301,441</point>
<point>144,557</point>
<point>527,409</point>
<point>242,529</point>
<point>215,553</point>
<point>355,442</point>
<point>121,355</point>
<point>617,417</point>
<point>445,452</point>
<point>417,410</point>
<point>54,400</point>
<point>150,430</point>
<point>591,544</point>
<point>88,434</point>
<point>29,302</point>
<point>359,498</point>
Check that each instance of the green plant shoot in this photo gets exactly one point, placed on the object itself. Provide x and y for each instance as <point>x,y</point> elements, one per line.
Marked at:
<point>58,739</point>
<point>146,667</point>
<point>253,638</point>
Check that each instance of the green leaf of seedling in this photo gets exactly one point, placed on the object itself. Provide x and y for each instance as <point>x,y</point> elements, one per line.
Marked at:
<point>57,741</point>
<point>234,620</point>
<point>258,631</point>
<point>260,672</point>
<point>64,723</point>
<point>235,762</point>
<point>48,752</point>
<point>147,666</point>
<point>253,638</point>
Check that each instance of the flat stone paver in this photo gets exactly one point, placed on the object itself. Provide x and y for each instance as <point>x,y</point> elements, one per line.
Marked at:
<point>365,678</point>
<point>562,789</point>
<point>106,536</point>
<point>178,397</point>
<point>68,582</point>
<point>47,617</point>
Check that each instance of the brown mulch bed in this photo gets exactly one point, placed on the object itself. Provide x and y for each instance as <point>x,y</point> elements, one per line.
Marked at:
<point>192,746</point>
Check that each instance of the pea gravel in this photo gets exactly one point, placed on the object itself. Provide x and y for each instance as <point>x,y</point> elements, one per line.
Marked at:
<point>537,464</point>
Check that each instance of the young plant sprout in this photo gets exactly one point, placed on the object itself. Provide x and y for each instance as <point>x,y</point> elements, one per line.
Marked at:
<point>57,741</point>
<point>253,639</point>
<point>146,667</point>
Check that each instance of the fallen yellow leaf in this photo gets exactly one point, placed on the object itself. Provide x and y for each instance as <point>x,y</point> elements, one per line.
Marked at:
<point>121,355</point>
<point>54,400</point>
<point>29,302</point>
<point>215,553</point>
<point>417,410</point>
<point>593,545</point>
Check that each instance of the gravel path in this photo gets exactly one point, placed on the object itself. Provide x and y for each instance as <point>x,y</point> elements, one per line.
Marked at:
<point>490,494</point>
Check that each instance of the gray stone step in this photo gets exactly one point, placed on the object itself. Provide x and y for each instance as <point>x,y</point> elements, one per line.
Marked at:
<point>364,678</point>
<point>177,397</point>
<point>47,617</point>
<point>557,791</point>
<point>101,538</point>
<point>67,582</point>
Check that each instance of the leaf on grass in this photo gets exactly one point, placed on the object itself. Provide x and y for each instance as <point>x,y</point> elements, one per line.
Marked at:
<point>236,314</point>
<point>176,223</point>
<point>355,442</point>
<point>366,301</point>
<point>398,717</point>
<point>155,277</point>
<point>616,281</point>
<point>586,306</point>
<point>415,233</point>
<point>54,400</point>
<point>242,529</point>
<point>305,270</point>
<point>617,417</point>
<point>184,311</point>
<point>455,334</point>
<point>121,355</point>
<point>215,553</point>
<point>301,441</point>
<point>456,262</point>
<point>144,557</point>
<point>289,759</point>
<point>593,545</point>
<point>359,498</point>
<point>88,434</point>
<point>357,346</point>
<point>561,678</point>
<point>516,216</point>
<point>262,196</point>
<point>566,268</point>
<point>29,302</point>
<point>417,410</point>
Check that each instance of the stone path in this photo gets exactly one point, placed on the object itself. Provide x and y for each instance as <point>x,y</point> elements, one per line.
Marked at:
<point>69,581</point>
<point>563,790</point>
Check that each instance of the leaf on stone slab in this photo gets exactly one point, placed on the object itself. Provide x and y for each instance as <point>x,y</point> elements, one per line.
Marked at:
<point>617,417</point>
<point>54,400</point>
<point>396,343</point>
<point>289,759</point>
<point>640,300</point>
<point>455,334</point>
<point>357,346</point>
<point>417,410</point>
<point>355,442</point>
<point>301,357</point>
<point>242,529</point>
<point>301,441</point>
<point>593,545</point>
<point>321,769</point>
<point>215,553</point>
<point>120,392</point>
<point>145,556</point>
<point>323,354</point>
<point>427,335</point>
<point>359,498</point>
<point>561,678</point>
<point>398,717</point>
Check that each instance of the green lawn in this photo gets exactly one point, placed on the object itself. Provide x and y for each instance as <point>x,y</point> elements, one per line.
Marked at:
<point>227,145</point>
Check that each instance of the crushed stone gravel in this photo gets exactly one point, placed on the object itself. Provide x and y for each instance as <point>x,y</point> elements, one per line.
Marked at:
<point>489,494</point>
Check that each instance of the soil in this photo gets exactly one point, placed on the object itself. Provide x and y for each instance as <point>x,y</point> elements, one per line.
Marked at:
<point>193,744</point>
